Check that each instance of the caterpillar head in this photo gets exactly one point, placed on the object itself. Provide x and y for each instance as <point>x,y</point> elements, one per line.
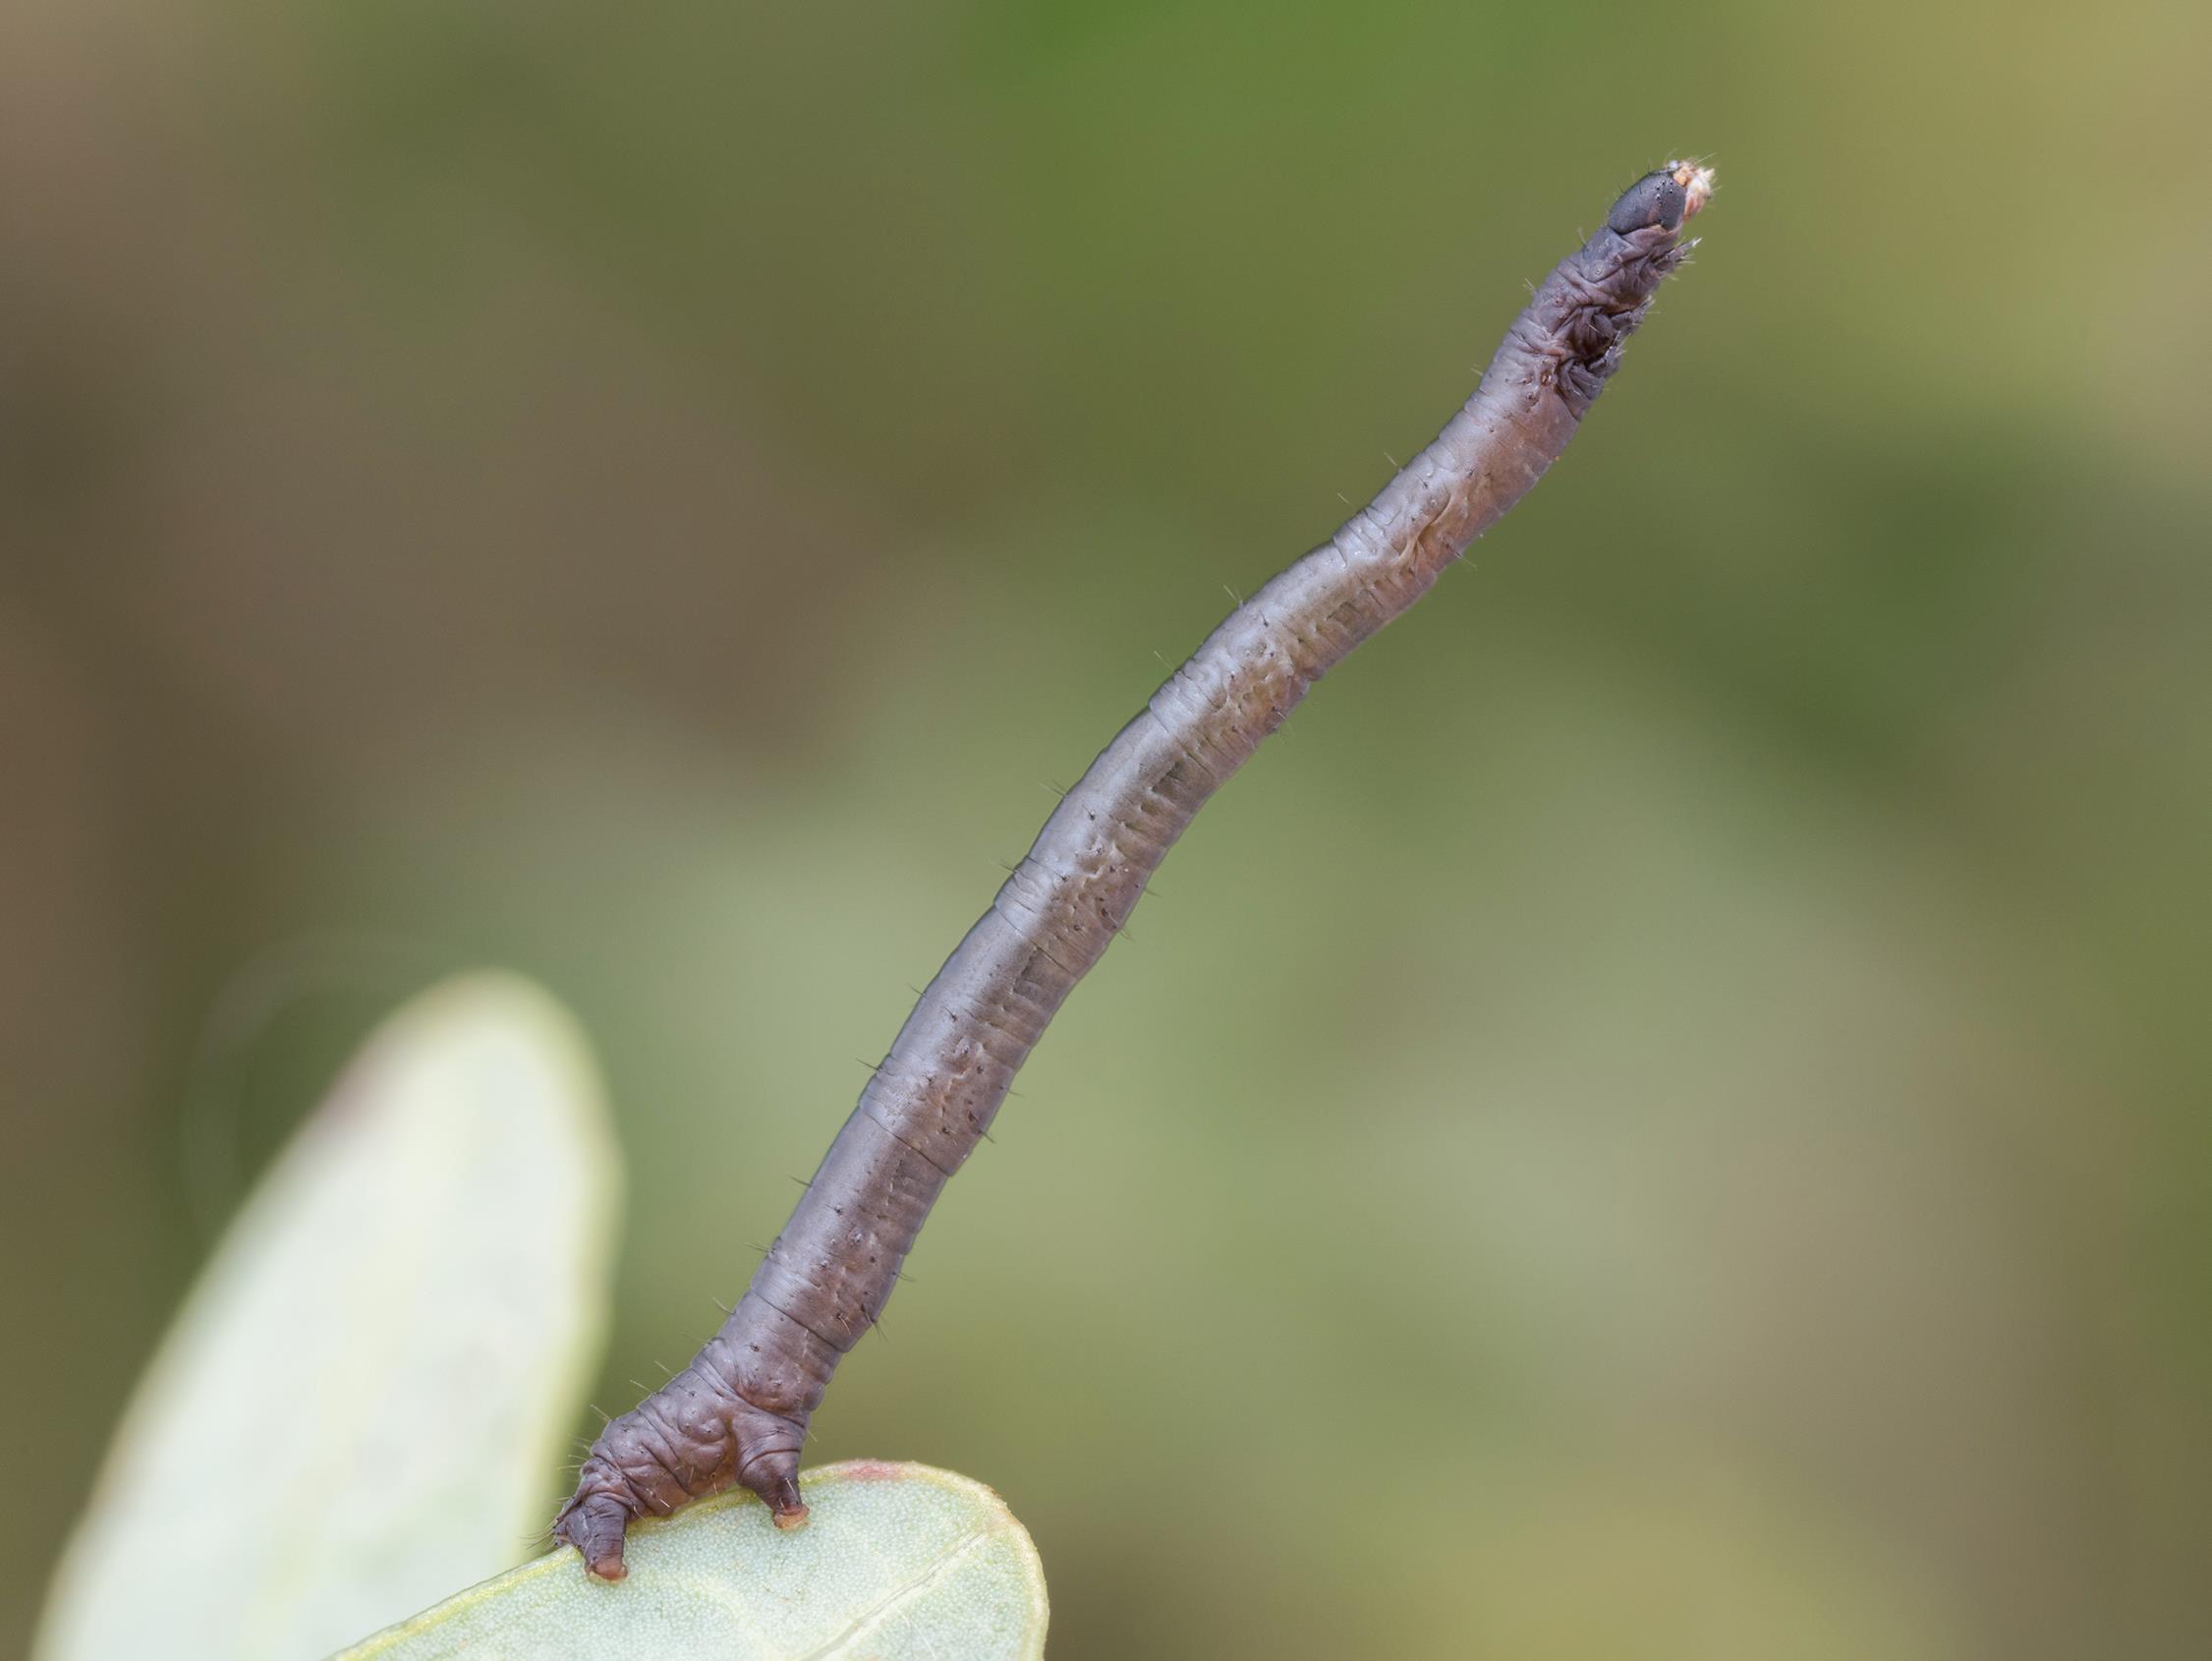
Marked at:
<point>1666,199</point>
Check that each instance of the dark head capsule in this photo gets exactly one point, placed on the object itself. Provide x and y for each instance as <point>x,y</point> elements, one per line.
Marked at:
<point>1657,198</point>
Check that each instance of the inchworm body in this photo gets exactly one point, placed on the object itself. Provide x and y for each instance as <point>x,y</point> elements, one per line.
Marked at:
<point>738,1412</point>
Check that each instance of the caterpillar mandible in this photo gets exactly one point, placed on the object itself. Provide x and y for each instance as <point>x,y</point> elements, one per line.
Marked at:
<point>738,1412</point>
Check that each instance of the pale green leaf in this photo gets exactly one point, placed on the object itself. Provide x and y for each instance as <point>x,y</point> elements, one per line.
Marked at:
<point>367,1395</point>
<point>896,1561</point>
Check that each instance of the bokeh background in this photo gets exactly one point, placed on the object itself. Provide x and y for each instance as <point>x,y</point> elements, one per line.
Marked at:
<point>1667,1116</point>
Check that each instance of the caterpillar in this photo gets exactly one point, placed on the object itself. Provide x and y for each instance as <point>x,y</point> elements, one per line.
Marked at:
<point>738,1412</point>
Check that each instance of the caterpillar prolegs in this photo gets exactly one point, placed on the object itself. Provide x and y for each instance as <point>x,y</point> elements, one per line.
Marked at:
<point>738,1412</point>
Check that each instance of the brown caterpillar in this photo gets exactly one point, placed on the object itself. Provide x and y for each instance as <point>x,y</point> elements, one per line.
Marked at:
<point>739,1411</point>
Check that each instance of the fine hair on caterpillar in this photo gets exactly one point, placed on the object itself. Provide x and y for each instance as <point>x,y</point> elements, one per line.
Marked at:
<point>738,1411</point>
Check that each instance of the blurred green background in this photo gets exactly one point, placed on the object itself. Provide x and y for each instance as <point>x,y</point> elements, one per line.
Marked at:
<point>1667,1116</point>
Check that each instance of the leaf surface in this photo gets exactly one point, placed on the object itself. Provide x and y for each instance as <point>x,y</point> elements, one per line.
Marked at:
<point>365,1398</point>
<point>895,1560</point>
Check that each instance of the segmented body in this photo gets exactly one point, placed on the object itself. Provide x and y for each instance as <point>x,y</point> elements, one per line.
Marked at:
<point>738,1412</point>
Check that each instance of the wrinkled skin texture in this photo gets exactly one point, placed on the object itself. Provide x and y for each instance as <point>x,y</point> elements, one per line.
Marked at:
<point>739,1411</point>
